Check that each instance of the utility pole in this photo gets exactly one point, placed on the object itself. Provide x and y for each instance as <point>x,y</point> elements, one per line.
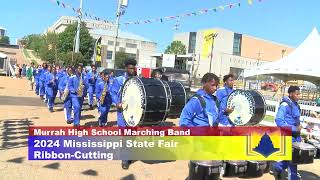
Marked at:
<point>77,46</point>
<point>208,37</point>
<point>117,32</point>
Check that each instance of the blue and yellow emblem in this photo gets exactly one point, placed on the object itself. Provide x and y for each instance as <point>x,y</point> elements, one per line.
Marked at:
<point>268,145</point>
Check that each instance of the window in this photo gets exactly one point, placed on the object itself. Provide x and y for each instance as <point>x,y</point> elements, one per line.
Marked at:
<point>131,55</point>
<point>110,43</point>
<point>121,49</point>
<point>192,42</point>
<point>109,54</point>
<point>237,44</point>
<point>131,45</point>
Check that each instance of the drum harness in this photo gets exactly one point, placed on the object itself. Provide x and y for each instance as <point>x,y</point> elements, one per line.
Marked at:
<point>204,105</point>
<point>294,134</point>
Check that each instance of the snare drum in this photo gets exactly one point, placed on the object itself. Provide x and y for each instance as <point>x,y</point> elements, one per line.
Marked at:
<point>249,107</point>
<point>316,144</point>
<point>235,168</point>
<point>207,170</point>
<point>256,168</point>
<point>302,153</point>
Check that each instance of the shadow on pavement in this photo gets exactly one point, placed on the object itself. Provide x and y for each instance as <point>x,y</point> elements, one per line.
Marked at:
<point>308,175</point>
<point>92,124</point>
<point>20,101</point>
<point>52,166</point>
<point>90,172</point>
<point>156,161</point>
<point>129,177</point>
<point>16,160</point>
<point>14,133</point>
<point>89,116</point>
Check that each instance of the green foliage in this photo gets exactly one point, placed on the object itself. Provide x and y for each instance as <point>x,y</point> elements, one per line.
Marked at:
<point>34,42</point>
<point>67,38</point>
<point>176,47</point>
<point>5,40</point>
<point>71,58</point>
<point>57,48</point>
<point>119,60</point>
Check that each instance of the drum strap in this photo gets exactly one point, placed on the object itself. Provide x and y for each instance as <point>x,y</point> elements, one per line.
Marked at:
<point>203,103</point>
<point>290,106</point>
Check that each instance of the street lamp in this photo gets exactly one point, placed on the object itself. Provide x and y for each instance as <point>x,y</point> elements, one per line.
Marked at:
<point>77,46</point>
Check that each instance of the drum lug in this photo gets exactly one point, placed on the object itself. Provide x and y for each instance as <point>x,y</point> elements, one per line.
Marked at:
<point>210,171</point>
<point>196,169</point>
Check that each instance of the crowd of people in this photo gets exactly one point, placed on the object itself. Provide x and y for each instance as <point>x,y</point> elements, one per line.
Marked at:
<point>208,107</point>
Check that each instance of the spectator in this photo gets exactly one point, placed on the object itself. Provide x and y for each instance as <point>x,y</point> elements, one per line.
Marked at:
<point>20,70</point>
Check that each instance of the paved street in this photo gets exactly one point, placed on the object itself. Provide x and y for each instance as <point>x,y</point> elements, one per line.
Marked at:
<point>20,108</point>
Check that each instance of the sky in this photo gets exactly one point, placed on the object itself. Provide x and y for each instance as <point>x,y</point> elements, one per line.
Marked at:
<point>283,21</point>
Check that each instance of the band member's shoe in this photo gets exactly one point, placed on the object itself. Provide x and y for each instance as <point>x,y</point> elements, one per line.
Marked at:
<point>70,121</point>
<point>90,107</point>
<point>51,110</point>
<point>41,97</point>
<point>125,164</point>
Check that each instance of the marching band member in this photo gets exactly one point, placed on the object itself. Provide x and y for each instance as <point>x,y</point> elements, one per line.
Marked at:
<point>104,97</point>
<point>52,87</point>
<point>36,79</point>
<point>76,89</point>
<point>65,96</point>
<point>91,78</point>
<point>42,72</point>
<point>83,84</point>
<point>60,75</point>
<point>118,82</point>
<point>201,109</point>
<point>289,116</point>
<point>222,95</point>
<point>99,79</point>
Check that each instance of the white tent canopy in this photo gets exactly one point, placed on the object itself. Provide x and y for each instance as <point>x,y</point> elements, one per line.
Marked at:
<point>3,55</point>
<point>302,64</point>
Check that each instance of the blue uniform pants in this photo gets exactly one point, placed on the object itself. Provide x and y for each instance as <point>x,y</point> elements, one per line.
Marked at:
<point>292,168</point>
<point>67,108</point>
<point>37,86</point>
<point>90,95</point>
<point>76,107</point>
<point>41,88</point>
<point>120,119</point>
<point>103,118</point>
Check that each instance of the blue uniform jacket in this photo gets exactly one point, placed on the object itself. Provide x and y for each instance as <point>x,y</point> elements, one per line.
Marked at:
<point>222,95</point>
<point>288,114</point>
<point>73,85</point>
<point>51,84</point>
<point>194,115</point>
<point>63,82</point>
<point>99,89</point>
<point>91,78</point>
<point>42,75</point>
<point>115,95</point>
<point>99,79</point>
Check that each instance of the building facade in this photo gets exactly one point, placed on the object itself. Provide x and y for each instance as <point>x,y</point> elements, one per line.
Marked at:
<point>231,52</point>
<point>2,32</point>
<point>133,45</point>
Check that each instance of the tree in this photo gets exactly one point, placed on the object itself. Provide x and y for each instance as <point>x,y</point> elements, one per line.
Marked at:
<point>34,42</point>
<point>119,60</point>
<point>48,52</point>
<point>71,58</point>
<point>67,39</point>
<point>176,47</point>
<point>5,40</point>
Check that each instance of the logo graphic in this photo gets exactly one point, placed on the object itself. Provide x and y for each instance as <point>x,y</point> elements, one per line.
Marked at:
<point>266,144</point>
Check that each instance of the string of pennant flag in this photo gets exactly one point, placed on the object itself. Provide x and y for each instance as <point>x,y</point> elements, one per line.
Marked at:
<point>159,19</point>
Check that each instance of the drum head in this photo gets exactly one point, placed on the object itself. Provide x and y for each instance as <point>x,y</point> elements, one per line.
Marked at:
<point>133,101</point>
<point>243,105</point>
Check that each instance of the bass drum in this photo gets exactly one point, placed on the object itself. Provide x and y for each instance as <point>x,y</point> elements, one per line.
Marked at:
<point>145,101</point>
<point>177,96</point>
<point>249,107</point>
